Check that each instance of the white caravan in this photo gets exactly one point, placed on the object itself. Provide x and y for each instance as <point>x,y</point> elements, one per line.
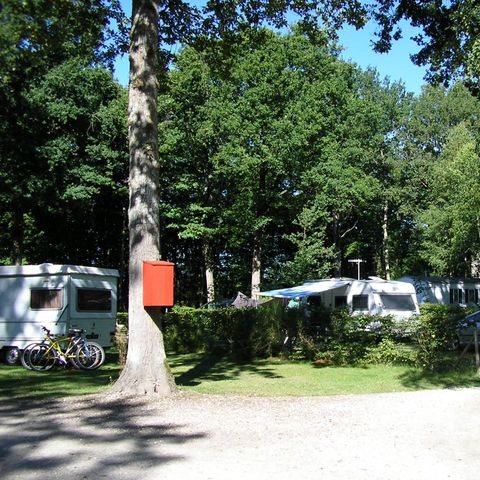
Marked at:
<point>374,296</point>
<point>445,291</point>
<point>58,297</point>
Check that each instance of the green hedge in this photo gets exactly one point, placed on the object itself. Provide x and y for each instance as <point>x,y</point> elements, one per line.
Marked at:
<point>325,337</point>
<point>245,333</point>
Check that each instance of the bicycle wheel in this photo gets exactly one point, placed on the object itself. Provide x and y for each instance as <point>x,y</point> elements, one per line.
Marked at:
<point>41,357</point>
<point>90,356</point>
<point>24,358</point>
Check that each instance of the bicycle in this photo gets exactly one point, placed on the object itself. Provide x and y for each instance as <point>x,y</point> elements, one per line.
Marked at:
<point>72,349</point>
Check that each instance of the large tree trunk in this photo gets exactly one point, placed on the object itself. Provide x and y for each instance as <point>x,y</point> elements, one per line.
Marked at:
<point>209,275</point>
<point>261,208</point>
<point>256,264</point>
<point>386,251</point>
<point>146,370</point>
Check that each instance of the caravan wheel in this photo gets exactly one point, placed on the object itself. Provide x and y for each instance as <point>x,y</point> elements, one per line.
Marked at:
<point>12,355</point>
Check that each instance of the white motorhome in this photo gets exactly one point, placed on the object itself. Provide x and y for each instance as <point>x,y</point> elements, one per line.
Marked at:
<point>374,296</point>
<point>58,297</point>
<point>445,291</point>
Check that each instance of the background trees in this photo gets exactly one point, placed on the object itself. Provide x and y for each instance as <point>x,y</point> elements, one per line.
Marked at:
<point>282,156</point>
<point>279,161</point>
<point>54,107</point>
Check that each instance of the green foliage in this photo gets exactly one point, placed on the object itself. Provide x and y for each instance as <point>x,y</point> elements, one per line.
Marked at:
<point>351,338</point>
<point>449,43</point>
<point>390,352</point>
<point>244,333</point>
<point>322,337</point>
<point>267,141</point>
<point>434,331</point>
<point>451,232</point>
<point>62,131</point>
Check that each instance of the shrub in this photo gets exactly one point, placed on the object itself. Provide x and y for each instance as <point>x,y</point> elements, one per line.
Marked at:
<point>350,338</point>
<point>184,329</point>
<point>434,331</point>
<point>304,348</point>
<point>390,352</point>
<point>121,342</point>
<point>245,333</point>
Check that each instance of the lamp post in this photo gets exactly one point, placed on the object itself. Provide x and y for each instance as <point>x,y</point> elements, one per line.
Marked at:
<point>358,261</point>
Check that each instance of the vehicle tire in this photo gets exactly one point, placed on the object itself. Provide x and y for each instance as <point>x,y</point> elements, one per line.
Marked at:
<point>11,356</point>
<point>90,356</point>
<point>41,358</point>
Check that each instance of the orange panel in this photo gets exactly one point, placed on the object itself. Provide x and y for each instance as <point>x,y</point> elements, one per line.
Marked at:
<point>158,284</point>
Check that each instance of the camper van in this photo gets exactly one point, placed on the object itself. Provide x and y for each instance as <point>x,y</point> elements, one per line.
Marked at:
<point>446,291</point>
<point>58,297</point>
<point>374,296</point>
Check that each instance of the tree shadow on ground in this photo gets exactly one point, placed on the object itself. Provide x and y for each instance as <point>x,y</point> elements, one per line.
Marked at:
<point>19,383</point>
<point>217,368</point>
<point>89,436</point>
<point>416,379</point>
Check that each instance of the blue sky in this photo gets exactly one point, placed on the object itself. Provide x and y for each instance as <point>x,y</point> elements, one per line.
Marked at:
<point>357,44</point>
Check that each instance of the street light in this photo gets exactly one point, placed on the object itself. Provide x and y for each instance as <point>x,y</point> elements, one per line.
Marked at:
<point>358,261</point>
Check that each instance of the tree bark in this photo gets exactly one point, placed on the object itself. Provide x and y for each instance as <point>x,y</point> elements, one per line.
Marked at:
<point>386,251</point>
<point>209,275</point>
<point>336,242</point>
<point>256,264</point>
<point>146,370</point>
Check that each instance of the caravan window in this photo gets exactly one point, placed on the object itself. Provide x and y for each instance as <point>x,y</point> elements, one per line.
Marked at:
<point>471,295</point>
<point>456,295</point>
<point>398,302</point>
<point>46,299</point>
<point>94,300</point>
<point>360,302</point>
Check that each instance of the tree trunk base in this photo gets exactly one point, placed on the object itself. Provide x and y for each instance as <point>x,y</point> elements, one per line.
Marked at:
<point>153,381</point>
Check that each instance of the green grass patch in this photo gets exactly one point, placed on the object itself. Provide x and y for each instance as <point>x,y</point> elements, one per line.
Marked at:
<point>20,383</point>
<point>221,375</point>
<point>274,377</point>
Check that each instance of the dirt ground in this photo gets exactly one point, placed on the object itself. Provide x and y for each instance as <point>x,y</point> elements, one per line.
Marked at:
<point>420,435</point>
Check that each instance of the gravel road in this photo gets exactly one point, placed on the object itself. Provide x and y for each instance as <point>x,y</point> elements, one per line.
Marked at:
<point>419,435</point>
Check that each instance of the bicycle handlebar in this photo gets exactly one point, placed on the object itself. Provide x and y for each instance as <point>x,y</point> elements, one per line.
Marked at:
<point>71,331</point>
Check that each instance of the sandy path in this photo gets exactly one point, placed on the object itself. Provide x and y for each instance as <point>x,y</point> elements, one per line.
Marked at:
<point>420,435</point>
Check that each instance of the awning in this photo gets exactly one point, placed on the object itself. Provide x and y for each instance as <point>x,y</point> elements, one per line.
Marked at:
<point>313,288</point>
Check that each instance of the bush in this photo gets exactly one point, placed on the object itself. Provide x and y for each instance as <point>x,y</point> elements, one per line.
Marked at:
<point>121,342</point>
<point>244,333</point>
<point>331,338</point>
<point>434,332</point>
<point>351,338</point>
<point>390,352</point>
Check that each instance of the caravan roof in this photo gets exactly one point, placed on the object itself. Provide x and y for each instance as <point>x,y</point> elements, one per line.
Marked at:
<point>51,269</point>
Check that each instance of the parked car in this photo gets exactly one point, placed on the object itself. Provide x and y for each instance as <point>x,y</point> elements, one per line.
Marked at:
<point>465,333</point>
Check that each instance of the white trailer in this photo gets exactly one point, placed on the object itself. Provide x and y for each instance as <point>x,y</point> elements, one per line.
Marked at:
<point>446,291</point>
<point>58,297</point>
<point>374,296</point>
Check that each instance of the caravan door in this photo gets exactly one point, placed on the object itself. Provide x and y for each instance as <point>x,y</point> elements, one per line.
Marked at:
<point>93,301</point>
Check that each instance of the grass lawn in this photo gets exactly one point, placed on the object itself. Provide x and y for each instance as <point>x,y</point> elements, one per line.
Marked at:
<point>217,375</point>
<point>17,382</point>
